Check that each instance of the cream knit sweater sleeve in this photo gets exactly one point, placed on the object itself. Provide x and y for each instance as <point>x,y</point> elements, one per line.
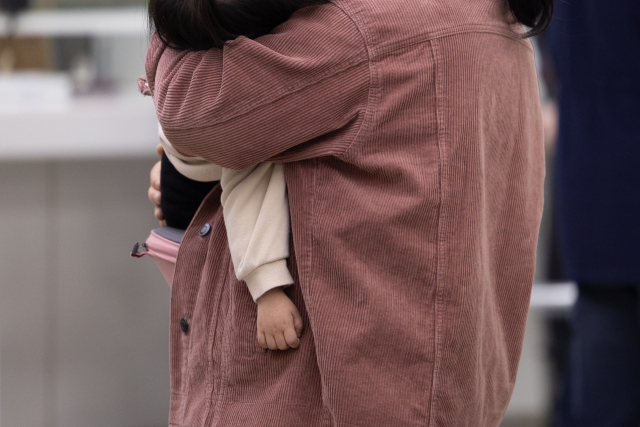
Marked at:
<point>256,216</point>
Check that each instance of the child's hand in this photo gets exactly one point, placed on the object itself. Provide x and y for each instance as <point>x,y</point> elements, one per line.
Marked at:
<point>279,322</point>
<point>154,191</point>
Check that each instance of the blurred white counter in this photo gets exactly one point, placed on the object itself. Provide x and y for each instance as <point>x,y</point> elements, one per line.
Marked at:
<point>96,22</point>
<point>96,126</point>
<point>553,297</point>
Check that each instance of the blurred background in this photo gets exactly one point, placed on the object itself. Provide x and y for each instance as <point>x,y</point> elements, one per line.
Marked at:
<point>84,327</point>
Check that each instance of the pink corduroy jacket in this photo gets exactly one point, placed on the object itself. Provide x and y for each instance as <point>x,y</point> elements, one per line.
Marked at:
<point>412,141</point>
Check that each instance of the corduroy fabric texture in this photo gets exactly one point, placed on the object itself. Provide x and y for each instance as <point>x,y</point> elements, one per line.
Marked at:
<point>412,137</point>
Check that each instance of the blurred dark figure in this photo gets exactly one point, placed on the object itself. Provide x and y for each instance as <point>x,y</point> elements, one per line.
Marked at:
<point>14,6</point>
<point>595,47</point>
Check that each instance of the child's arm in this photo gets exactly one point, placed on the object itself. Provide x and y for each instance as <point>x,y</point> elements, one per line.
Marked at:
<point>256,215</point>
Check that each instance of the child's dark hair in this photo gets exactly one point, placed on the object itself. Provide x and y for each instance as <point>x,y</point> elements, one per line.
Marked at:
<point>203,24</point>
<point>535,14</point>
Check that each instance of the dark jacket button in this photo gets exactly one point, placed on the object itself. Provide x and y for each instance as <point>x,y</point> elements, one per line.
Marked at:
<point>184,326</point>
<point>204,230</point>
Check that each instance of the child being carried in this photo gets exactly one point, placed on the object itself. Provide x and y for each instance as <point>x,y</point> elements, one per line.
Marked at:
<point>254,201</point>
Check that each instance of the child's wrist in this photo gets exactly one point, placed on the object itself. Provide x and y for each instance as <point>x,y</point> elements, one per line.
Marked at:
<point>270,294</point>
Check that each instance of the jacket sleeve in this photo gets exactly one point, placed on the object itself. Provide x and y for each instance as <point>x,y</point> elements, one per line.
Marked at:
<point>256,216</point>
<point>255,99</point>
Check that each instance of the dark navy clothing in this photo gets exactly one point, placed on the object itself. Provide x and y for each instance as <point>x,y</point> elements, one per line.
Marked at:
<point>181,196</point>
<point>602,378</point>
<point>595,46</point>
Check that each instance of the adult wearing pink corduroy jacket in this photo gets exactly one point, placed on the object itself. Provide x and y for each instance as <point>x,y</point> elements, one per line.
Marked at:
<point>412,142</point>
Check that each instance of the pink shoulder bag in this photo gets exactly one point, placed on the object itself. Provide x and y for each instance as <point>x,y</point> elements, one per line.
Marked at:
<point>162,247</point>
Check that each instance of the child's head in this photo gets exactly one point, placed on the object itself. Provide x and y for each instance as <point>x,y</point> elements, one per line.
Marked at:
<point>203,24</point>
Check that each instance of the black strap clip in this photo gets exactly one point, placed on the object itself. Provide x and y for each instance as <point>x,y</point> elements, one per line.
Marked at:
<point>134,251</point>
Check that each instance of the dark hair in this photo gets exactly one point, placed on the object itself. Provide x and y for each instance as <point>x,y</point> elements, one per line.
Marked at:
<point>535,14</point>
<point>203,24</point>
